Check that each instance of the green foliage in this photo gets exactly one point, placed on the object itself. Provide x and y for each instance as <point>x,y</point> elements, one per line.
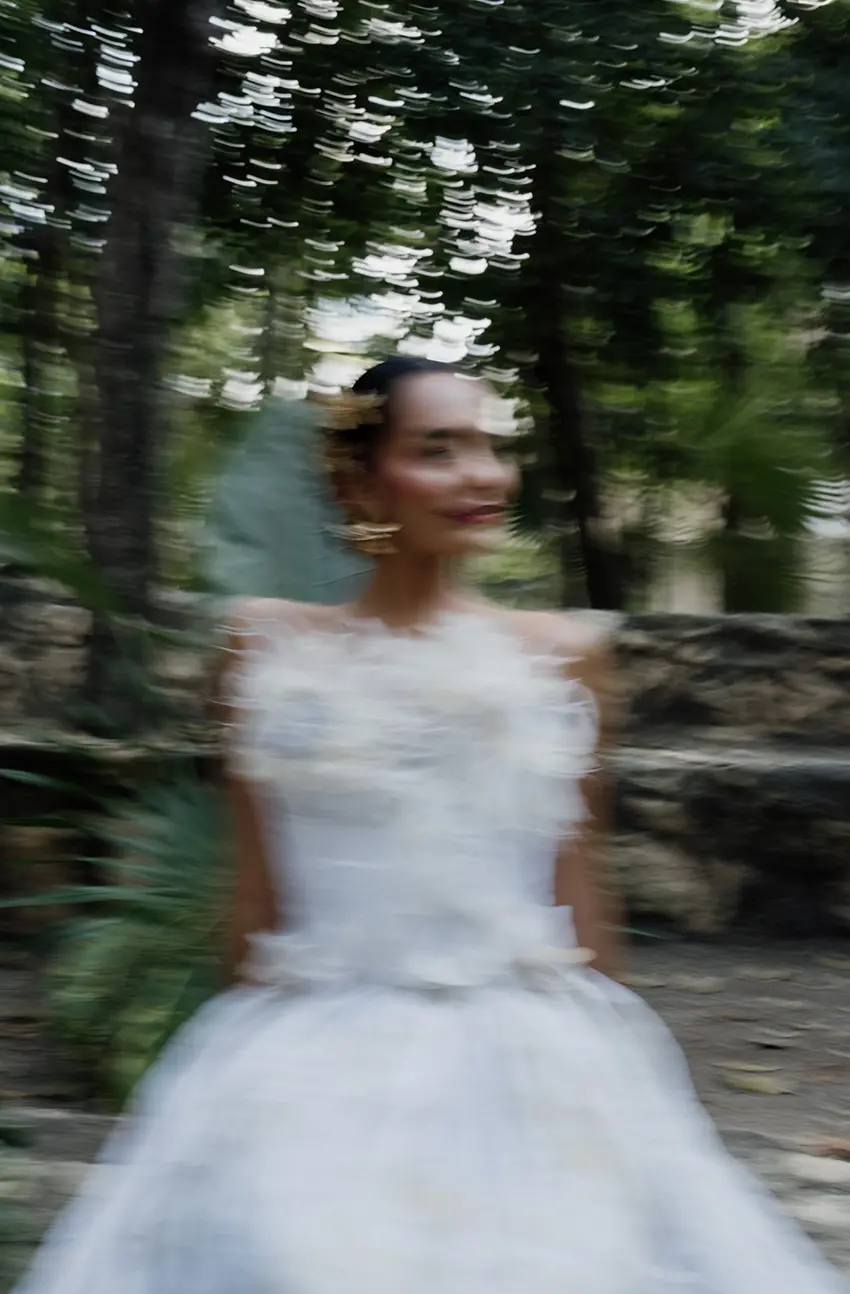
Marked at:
<point>34,537</point>
<point>17,1234</point>
<point>590,194</point>
<point>119,985</point>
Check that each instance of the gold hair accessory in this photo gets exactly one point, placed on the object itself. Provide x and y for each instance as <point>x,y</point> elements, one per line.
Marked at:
<point>351,410</point>
<point>343,414</point>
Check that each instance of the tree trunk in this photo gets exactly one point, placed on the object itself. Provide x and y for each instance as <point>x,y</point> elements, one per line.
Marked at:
<point>161,151</point>
<point>41,328</point>
<point>734,583</point>
<point>575,471</point>
<point>39,340</point>
<point>735,551</point>
<point>571,457</point>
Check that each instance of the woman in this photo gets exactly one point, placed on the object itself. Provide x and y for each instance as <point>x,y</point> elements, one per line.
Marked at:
<point>419,1084</point>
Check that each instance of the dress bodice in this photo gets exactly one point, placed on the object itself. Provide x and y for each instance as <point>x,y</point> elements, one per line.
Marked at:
<point>413,790</point>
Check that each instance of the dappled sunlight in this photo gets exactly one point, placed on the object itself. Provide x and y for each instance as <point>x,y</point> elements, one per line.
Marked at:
<point>634,224</point>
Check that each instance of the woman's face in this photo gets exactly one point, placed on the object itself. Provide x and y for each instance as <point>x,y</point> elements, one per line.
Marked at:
<point>441,473</point>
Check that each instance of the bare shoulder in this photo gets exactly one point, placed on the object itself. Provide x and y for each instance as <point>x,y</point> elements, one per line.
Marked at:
<point>582,640</point>
<point>251,617</point>
<point>249,623</point>
<point>584,643</point>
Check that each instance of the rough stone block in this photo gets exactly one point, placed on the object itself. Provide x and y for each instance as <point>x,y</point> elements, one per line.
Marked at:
<point>758,837</point>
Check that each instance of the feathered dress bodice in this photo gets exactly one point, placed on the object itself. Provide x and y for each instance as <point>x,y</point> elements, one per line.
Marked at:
<point>414,789</point>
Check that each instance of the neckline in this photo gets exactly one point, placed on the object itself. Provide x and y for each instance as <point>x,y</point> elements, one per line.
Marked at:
<point>375,642</point>
<point>347,626</point>
<point>347,620</point>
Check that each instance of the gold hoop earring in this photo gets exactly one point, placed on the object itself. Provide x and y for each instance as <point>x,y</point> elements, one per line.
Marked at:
<point>372,538</point>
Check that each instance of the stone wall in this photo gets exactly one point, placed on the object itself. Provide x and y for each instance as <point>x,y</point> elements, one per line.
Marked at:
<point>733,772</point>
<point>736,679</point>
<point>733,804</point>
<point>43,637</point>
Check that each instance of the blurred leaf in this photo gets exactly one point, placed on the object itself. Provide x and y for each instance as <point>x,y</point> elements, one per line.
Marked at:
<point>267,533</point>
<point>120,985</point>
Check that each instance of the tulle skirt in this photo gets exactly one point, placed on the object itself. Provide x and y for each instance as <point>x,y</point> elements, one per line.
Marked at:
<point>382,1141</point>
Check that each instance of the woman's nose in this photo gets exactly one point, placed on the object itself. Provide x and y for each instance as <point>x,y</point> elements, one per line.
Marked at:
<point>484,469</point>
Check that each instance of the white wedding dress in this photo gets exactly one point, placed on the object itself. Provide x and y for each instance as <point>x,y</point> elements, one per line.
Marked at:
<point>427,1092</point>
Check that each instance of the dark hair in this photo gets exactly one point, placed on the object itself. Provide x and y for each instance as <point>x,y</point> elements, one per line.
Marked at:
<point>381,378</point>
<point>359,443</point>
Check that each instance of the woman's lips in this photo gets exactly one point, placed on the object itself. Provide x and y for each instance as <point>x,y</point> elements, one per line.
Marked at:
<point>484,516</point>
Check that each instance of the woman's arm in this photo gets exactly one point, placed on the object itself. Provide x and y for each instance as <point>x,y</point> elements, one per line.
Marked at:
<point>255,905</point>
<point>581,875</point>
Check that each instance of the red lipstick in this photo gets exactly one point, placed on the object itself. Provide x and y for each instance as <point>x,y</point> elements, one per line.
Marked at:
<point>487,514</point>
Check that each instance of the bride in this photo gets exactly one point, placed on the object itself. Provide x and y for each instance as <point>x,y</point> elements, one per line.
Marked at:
<point>419,1082</point>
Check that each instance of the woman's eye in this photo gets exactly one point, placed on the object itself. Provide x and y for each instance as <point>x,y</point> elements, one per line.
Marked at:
<point>434,451</point>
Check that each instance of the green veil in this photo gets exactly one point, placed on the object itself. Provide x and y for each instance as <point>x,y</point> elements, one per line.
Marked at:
<point>267,532</point>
